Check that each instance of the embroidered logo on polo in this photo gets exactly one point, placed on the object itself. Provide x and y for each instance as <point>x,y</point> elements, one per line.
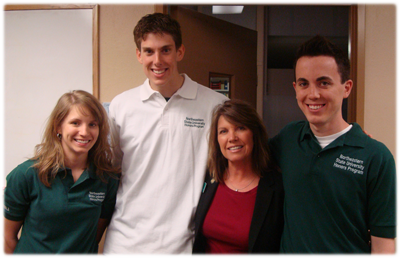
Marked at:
<point>349,164</point>
<point>97,197</point>
<point>194,122</point>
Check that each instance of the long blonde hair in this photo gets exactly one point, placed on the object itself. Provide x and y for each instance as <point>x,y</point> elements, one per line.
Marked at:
<point>50,155</point>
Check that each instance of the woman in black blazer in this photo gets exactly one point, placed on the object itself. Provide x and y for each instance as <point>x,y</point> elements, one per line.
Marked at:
<point>241,205</point>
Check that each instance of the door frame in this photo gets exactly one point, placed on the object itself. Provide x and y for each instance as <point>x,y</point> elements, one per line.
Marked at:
<point>356,38</point>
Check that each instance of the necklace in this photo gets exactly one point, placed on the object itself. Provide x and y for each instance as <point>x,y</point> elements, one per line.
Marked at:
<point>238,189</point>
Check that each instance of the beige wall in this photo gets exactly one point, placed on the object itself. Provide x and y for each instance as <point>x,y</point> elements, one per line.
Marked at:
<point>120,71</point>
<point>382,76</point>
<point>382,73</point>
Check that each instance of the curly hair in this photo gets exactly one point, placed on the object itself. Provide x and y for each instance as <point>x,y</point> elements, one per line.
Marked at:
<point>49,153</point>
<point>157,23</point>
<point>241,114</point>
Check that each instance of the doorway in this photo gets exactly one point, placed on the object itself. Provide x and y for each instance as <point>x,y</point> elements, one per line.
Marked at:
<point>264,88</point>
<point>286,28</point>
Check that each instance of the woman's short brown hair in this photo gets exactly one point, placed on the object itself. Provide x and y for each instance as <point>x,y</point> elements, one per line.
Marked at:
<point>238,113</point>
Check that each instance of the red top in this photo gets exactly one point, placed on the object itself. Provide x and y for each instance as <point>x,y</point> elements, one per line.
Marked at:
<point>227,223</point>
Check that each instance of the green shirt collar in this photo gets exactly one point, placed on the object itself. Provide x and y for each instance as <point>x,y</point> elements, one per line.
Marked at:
<point>90,172</point>
<point>351,138</point>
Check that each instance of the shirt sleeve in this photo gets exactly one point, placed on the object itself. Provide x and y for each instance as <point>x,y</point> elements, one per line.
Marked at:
<point>17,194</point>
<point>274,147</point>
<point>108,204</point>
<point>382,195</point>
<point>114,138</point>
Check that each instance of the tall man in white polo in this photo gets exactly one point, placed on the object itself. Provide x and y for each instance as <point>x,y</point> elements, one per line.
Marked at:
<point>161,130</point>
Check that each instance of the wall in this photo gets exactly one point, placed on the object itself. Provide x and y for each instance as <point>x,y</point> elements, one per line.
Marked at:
<point>119,69</point>
<point>380,74</point>
<point>382,77</point>
<point>214,45</point>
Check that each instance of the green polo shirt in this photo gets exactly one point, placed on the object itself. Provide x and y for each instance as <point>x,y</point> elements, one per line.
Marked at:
<point>62,218</point>
<point>333,196</point>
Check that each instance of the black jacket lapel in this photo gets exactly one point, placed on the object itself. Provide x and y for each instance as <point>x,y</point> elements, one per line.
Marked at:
<point>263,201</point>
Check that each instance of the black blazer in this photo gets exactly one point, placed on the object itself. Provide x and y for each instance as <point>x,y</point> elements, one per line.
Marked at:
<point>267,221</point>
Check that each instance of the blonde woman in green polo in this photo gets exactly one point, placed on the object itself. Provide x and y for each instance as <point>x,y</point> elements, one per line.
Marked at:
<point>63,197</point>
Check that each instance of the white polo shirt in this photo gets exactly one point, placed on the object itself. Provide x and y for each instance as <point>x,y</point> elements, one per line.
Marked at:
<point>164,146</point>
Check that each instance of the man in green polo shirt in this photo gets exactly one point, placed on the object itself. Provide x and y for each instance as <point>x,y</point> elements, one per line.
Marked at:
<point>339,183</point>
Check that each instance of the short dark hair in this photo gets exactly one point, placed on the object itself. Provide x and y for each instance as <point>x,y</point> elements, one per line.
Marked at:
<point>157,23</point>
<point>238,113</point>
<point>320,46</point>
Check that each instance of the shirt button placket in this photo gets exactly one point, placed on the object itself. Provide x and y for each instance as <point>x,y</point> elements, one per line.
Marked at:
<point>165,117</point>
<point>314,166</point>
